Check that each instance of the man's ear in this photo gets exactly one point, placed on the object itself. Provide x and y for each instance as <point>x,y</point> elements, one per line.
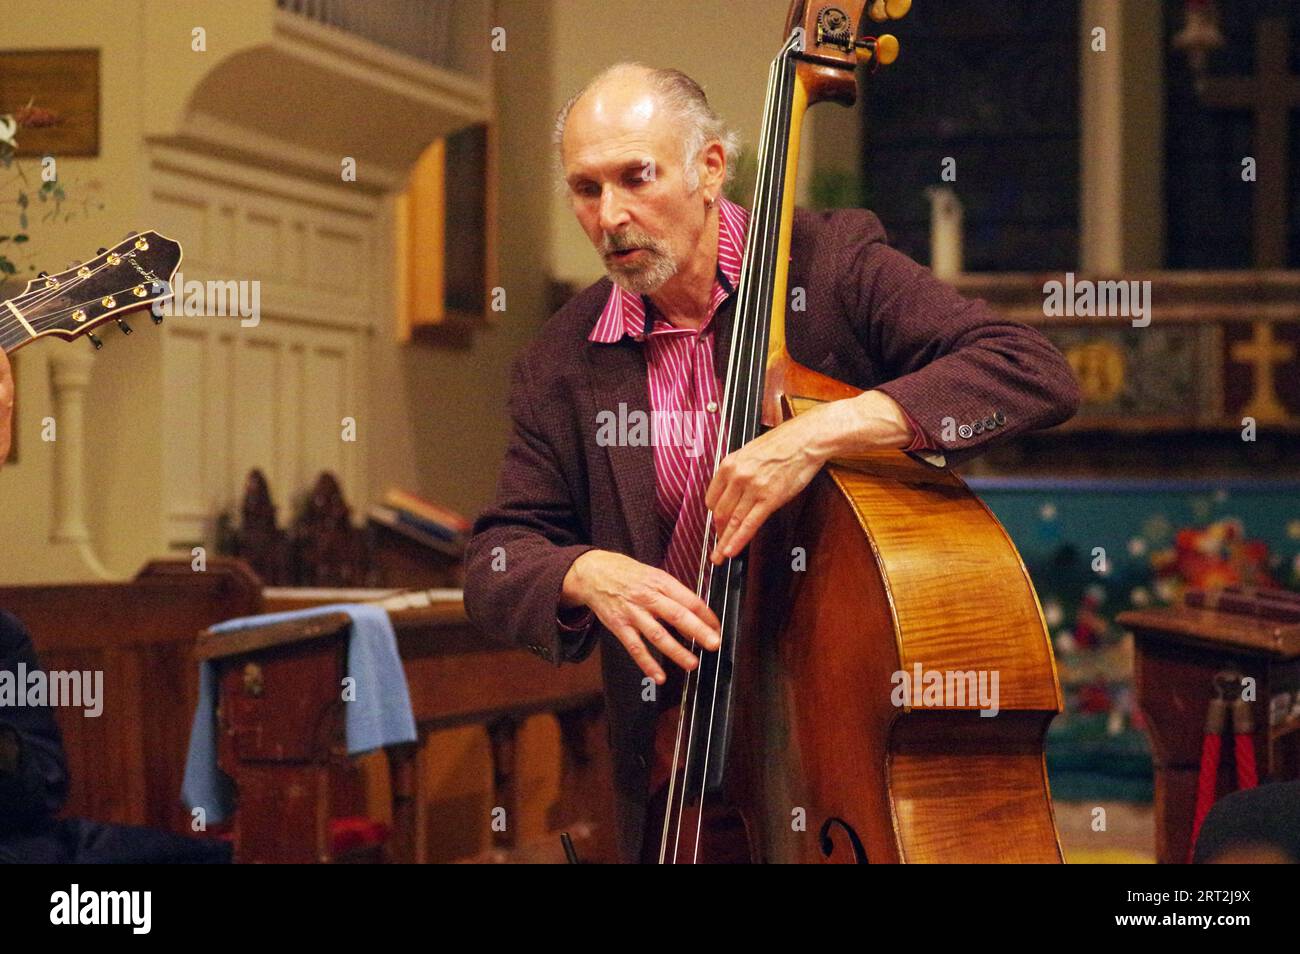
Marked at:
<point>714,173</point>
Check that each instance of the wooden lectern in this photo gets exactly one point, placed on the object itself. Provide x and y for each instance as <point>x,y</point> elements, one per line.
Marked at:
<point>1179,651</point>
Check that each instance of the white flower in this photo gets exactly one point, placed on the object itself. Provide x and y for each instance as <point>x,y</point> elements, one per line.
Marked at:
<point>1053,613</point>
<point>7,129</point>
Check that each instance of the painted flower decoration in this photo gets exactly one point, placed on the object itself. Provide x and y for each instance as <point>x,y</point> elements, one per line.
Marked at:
<point>8,126</point>
<point>32,116</point>
<point>43,202</point>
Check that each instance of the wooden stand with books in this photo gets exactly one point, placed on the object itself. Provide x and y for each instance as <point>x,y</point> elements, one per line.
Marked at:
<point>417,542</point>
<point>406,541</point>
<point>395,556</point>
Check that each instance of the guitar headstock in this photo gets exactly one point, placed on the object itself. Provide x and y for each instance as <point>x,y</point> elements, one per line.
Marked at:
<point>136,273</point>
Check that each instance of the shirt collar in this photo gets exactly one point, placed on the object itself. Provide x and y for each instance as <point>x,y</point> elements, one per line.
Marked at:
<point>624,312</point>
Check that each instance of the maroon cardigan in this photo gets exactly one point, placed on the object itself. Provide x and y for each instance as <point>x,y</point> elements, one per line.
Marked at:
<point>873,318</point>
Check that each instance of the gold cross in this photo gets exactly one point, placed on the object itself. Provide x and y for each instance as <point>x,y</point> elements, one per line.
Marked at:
<point>1263,352</point>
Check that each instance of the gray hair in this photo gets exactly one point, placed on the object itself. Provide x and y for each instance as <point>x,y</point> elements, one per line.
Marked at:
<point>685,100</point>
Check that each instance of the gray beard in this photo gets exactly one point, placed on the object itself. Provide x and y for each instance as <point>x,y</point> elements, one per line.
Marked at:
<point>646,280</point>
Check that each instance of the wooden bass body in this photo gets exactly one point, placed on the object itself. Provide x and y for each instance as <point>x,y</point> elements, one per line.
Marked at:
<point>905,567</point>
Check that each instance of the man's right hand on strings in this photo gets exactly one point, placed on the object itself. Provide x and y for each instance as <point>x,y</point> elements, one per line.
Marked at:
<point>631,598</point>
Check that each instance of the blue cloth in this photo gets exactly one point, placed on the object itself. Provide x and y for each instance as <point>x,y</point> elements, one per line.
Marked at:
<point>378,707</point>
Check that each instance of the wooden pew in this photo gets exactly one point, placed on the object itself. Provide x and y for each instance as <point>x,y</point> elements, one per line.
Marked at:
<point>281,726</point>
<point>127,763</point>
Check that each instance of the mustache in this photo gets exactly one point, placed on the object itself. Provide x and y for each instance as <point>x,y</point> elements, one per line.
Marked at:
<point>626,241</point>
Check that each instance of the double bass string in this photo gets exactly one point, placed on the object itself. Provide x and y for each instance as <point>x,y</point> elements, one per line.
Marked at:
<point>757,338</point>
<point>749,360</point>
<point>701,589</point>
<point>691,677</point>
<point>748,346</point>
<point>741,343</point>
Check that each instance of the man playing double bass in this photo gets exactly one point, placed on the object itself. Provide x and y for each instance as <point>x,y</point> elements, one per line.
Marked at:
<point>597,527</point>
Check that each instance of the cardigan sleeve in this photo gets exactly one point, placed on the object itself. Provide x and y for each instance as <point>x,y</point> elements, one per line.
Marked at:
<point>965,376</point>
<point>523,544</point>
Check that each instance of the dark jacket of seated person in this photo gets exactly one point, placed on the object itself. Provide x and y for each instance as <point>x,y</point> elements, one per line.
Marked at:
<point>34,787</point>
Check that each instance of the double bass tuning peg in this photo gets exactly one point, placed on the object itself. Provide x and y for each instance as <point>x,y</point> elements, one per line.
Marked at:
<point>878,50</point>
<point>882,10</point>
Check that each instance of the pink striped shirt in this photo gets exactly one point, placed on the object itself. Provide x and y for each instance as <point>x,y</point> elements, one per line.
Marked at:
<point>685,400</point>
<point>685,397</point>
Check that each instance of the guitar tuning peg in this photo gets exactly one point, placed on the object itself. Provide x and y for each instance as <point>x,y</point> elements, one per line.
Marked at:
<point>100,251</point>
<point>132,234</point>
<point>74,264</point>
<point>95,341</point>
<point>157,319</point>
<point>42,274</point>
<point>126,329</point>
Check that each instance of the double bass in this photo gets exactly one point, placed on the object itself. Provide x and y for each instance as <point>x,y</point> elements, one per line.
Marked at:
<point>790,744</point>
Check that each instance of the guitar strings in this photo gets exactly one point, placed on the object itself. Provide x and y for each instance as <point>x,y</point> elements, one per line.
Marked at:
<point>42,295</point>
<point>49,320</point>
<point>46,293</point>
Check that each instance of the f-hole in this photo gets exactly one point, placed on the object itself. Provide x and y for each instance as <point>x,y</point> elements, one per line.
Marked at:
<point>828,844</point>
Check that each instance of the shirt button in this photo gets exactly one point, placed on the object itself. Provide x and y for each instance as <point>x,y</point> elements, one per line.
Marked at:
<point>711,407</point>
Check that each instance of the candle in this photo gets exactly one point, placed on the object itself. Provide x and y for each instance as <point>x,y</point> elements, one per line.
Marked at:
<point>945,232</point>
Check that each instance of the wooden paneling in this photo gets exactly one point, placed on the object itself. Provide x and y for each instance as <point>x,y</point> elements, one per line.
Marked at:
<point>269,390</point>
